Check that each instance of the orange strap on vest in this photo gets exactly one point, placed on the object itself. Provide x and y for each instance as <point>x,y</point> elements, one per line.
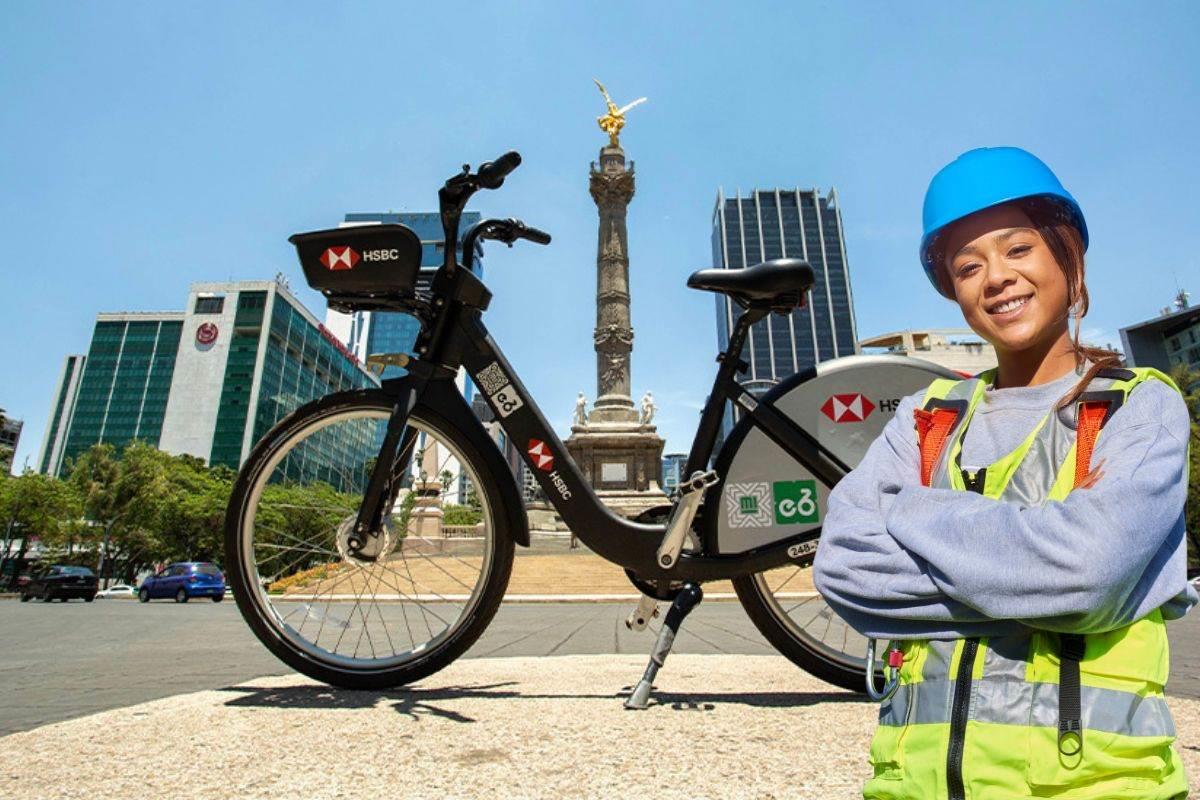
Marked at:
<point>932,429</point>
<point>1091,416</point>
<point>934,426</point>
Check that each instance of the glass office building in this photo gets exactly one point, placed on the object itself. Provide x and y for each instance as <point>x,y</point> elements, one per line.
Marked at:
<point>796,223</point>
<point>369,332</point>
<point>121,393</point>
<point>50,461</point>
<point>209,381</point>
<point>786,223</point>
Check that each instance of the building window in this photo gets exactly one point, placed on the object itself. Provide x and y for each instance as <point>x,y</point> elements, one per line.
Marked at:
<point>1175,345</point>
<point>209,305</point>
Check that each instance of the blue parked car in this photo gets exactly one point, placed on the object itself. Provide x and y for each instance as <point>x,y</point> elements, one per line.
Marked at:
<point>183,581</point>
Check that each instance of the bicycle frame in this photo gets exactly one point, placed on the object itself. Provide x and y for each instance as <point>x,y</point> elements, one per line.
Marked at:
<point>464,340</point>
<point>453,335</point>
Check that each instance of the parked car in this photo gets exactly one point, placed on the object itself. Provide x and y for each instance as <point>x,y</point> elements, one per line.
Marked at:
<point>118,590</point>
<point>183,581</point>
<point>60,582</point>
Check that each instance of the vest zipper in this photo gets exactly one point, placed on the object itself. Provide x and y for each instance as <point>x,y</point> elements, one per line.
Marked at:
<point>974,480</point>
<point>958,720</point>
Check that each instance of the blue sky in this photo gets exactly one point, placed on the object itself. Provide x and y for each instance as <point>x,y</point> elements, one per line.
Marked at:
<point>144,146</point>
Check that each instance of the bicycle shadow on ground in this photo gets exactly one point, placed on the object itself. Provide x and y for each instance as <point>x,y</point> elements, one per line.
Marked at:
<point>418,701</point>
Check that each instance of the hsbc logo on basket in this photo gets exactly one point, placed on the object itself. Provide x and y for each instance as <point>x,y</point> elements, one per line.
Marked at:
<point>847,407</point>
<point>543,459</point>
<point>338,258</point>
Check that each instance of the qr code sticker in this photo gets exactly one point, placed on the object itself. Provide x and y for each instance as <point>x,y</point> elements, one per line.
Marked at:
<point>491,378</point>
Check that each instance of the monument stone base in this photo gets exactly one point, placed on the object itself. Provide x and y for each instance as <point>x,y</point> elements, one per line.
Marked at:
<point>621,461</point>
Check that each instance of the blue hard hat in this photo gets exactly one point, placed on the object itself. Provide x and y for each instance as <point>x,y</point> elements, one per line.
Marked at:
<point>986,177</point>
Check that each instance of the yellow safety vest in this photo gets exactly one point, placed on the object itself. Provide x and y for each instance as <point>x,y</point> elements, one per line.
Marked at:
<point>981,718</point>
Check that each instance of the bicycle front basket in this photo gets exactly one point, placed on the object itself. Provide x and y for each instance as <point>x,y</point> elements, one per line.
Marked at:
<point>364,259</point>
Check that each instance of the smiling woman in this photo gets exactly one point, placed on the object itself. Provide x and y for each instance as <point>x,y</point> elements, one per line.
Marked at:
<point>1025,591</point>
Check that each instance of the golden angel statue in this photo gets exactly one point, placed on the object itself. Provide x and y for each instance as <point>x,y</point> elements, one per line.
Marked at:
<point>612,122</point>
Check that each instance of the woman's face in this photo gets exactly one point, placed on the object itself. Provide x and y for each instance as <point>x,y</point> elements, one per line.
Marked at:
<point>1010,289</point>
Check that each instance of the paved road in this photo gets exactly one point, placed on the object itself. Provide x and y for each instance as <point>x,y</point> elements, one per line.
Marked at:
<point>67,660</point>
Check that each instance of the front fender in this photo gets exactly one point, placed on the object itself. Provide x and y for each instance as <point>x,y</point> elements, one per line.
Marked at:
<point>442,398</point>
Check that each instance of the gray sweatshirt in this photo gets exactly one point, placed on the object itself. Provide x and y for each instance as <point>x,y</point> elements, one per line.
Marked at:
<point>898,560</point>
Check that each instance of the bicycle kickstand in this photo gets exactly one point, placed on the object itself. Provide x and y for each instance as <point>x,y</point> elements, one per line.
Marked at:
<point>689,597</point>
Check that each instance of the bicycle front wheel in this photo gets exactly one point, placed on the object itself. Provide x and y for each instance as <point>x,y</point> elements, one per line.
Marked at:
<point>413,600</point>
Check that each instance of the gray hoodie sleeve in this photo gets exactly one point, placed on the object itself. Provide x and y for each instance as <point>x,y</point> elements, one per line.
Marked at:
<point>1101,558</point>
<point>879,587</point>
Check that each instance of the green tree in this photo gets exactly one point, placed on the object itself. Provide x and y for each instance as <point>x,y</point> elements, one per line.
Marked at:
<point>120,495</point>
<point>191,511</point>
<point>34,505</point>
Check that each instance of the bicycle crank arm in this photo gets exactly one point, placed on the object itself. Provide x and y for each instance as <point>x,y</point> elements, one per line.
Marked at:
<point>692,494</point>
<point>647,609</point>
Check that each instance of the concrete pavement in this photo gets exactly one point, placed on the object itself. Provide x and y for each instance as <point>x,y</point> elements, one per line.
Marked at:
<point>518,729</point>
<point>68,660</point>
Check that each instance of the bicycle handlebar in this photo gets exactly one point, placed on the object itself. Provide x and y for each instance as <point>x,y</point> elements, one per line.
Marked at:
<point>454,194</point>
<point>534,235</point>
<point>491,174</point>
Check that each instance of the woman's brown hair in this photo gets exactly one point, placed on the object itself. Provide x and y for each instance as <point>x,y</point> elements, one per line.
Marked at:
<point>1066,245</point>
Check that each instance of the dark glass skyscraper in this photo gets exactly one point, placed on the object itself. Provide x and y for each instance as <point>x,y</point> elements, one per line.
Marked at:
<point>385,332</point>
<point>787,223</point>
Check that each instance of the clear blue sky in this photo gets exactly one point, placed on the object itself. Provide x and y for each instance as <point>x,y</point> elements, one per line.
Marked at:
<point>144,146</point>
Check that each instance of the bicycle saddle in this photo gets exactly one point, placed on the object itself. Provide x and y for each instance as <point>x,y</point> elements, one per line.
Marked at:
<point>781,282</point>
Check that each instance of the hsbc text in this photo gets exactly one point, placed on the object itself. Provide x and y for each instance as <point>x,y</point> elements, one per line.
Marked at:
<point>563,490</point>
<point>381,255</point>
<point>889,405</point>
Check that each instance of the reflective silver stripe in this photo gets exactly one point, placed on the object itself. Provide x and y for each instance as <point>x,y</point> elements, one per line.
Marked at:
<point>1107,710</point>
<point>939,653</point>
<point>1033,478</point>
<point>1007,656</point>
<point>1009,702</point>
<point>927,701</point>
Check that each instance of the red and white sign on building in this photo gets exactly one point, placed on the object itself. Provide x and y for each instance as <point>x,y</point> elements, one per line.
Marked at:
<point>336,258</point>
<point>847,407</point>
<point>207,333</point>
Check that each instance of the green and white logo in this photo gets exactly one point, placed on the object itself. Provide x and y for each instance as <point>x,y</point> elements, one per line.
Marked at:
<point>795,502</point>
<point>748,505</point>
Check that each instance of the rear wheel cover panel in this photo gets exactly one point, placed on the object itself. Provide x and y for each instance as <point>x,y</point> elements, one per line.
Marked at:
<point>765,495</point>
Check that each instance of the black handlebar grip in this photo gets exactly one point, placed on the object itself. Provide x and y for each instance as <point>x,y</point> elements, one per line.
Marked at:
<point>535,236</point>
<point>492,173</point>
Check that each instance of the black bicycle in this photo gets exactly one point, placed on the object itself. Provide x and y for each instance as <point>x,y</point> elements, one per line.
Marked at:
<point>370,535</point>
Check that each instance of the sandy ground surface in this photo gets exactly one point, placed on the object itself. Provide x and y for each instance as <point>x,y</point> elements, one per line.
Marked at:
<point>723,727</point>
<point>428,571</point>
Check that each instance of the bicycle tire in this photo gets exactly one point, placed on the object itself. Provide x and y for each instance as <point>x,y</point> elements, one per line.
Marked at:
<point>795,646</point>
<point>247,594</point>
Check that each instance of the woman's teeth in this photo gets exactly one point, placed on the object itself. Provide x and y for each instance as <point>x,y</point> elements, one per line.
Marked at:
<point>1010,305</point>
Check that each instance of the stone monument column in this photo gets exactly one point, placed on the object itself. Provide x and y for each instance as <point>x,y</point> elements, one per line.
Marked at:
<point>616,446</point>
<point>612,188</point>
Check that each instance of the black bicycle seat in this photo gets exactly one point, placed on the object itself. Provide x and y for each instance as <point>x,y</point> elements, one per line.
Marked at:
<point>781,281</point>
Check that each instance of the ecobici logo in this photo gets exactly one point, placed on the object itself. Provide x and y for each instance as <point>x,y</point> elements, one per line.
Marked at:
<point>795,502</point>
<point>756,504</point>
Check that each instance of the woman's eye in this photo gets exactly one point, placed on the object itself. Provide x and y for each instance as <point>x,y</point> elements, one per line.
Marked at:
<point>1019,250</point>
<point>966,269</point>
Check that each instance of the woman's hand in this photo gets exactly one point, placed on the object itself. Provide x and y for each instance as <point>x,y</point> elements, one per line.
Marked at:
<point>1090,479</point>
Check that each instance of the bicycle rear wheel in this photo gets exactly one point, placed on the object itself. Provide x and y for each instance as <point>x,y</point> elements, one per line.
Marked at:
<point>428,585</point>
<point>794,618</point>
